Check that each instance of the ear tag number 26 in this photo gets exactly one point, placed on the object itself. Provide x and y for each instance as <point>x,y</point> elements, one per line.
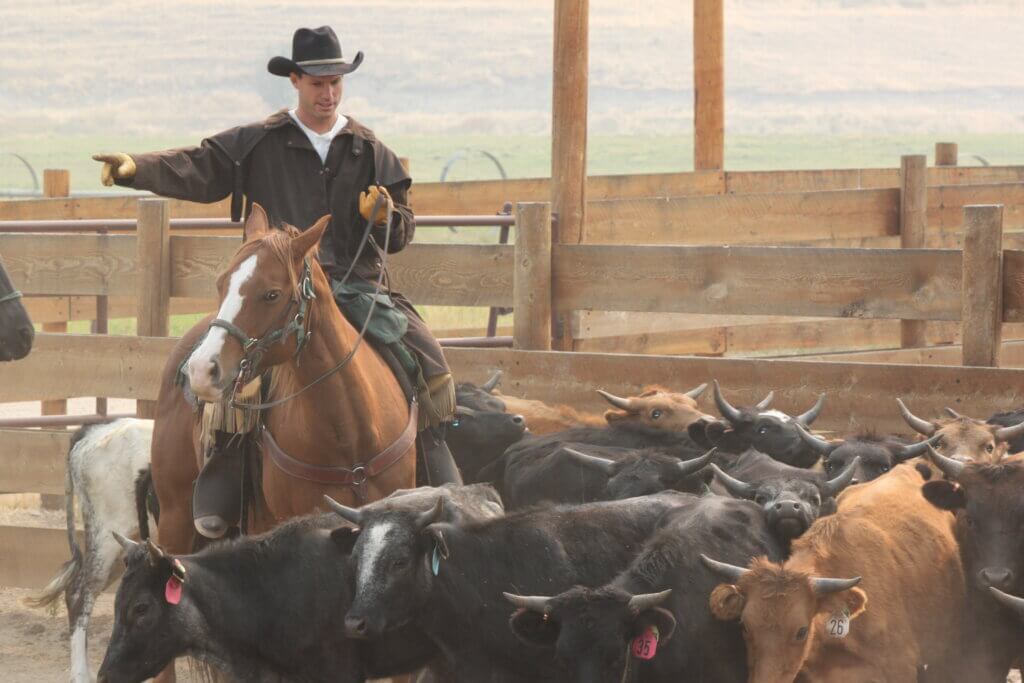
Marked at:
<point>838,625</point>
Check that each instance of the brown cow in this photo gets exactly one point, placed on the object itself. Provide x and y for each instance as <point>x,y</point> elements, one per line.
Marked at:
<point>964,438</point>
<point>904,613</point>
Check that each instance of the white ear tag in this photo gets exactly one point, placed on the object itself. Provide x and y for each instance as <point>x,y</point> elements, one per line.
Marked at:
<point>838,624</point>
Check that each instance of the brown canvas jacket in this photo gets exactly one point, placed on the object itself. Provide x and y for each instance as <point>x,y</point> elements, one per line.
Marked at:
<point>272,163</point>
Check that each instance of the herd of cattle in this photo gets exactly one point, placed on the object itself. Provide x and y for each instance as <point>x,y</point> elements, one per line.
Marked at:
<point>655,542</point>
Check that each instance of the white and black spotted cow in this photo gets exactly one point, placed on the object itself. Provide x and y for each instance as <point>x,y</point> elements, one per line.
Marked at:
<point>103,464</point>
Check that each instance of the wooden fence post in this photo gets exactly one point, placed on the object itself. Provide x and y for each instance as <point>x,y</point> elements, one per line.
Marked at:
<point>56,183</point>
<point>153,263</point>
<point>531,285</point>
<point>982,307</point>
<point>569,132</point>
<point>708,85</point>
<point>945,154</point>
<point>913,229</point>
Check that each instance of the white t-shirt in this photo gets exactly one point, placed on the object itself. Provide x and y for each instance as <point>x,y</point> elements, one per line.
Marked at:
<point>321,141</point>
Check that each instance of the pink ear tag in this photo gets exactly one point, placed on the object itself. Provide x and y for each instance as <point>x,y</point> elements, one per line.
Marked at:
<point>645,645</point>
<point>172,591</point>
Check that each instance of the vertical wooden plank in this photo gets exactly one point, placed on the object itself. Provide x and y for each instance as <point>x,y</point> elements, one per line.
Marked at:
<point>982,313</point>
<point>708,84</point>
<point>945,154</point>
<point>569,132</point>
<point>913,229</point>
<point>531,290</point>
<point>153,242</point>
<point>56,183</point>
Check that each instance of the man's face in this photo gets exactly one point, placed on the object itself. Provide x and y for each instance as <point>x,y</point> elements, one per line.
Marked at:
<point>319,96</point>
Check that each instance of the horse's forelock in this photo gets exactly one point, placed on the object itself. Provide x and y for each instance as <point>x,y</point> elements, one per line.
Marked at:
<point>279,242</point>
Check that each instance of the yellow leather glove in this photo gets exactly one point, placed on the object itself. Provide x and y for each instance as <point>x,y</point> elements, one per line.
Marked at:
<point>369,198</point>
<point>115,166</point>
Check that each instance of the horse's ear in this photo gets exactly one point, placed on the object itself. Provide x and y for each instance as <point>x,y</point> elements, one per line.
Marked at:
<point>257,224</point>
<point>307,241</point>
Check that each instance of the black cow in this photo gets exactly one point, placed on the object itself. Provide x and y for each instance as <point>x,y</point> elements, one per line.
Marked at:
<point>16,330</point>
<point>266,607</point>
<point>478,437</point>
<point>480,397</point>
<point>768,431</point>
<point>1010,418</point>
<point>454,575</point>
<point>988,501</point>
<point>790,504</point>
<point>582,473</point>
<point>876,455</point>
<point>589,631</point>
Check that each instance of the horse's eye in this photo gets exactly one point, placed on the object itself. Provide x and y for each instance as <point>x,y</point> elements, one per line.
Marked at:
<point>801,634</point>
<point>989,448</point>
<point>272,295</point>
<point>655,414</point>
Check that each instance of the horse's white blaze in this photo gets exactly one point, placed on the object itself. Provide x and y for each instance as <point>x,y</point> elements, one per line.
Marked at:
<point>376,542</point>
<point>201,359</point>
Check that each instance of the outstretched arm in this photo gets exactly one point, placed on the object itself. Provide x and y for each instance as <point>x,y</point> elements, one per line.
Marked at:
<point>199,174</point>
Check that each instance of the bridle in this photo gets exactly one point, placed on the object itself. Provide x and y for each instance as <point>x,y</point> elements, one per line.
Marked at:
<point>10,296</point>
<point>255,348</point>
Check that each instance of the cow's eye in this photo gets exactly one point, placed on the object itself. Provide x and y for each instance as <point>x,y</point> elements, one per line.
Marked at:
<point>885,468</point>
<point>759,499</point>
<point>455,423</point>
<point>272,296</point>
<point>655,414</point>
<point>801,634</point>
<point>817,501</point>
<point>989,448</point>
<point>399,563</point>
<point>763,429</point>
<point>139,609</point>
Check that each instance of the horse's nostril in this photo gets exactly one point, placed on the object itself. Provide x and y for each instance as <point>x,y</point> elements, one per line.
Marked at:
<point>215,370</point>
<point>778,506</point>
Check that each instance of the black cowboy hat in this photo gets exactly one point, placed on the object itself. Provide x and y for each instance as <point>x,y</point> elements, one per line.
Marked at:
<point>317,52</point>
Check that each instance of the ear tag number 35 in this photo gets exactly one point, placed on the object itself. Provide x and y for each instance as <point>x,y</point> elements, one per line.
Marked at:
<point>645,645</point>
<point>838,625</point>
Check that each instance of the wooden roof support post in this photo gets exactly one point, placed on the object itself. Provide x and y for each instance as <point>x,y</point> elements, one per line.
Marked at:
<point>153,260</point>
<point>708,85</point>
<point>531,287</point>
<point>913,229</point>
<point>569,132</point>
<point>982,312</point>
<point>945,154</point>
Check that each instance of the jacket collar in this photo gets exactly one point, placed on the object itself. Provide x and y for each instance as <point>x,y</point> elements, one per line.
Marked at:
<point>352,127</point>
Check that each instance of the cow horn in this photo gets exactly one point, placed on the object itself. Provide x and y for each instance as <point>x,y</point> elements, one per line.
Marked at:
<point>726,571</point>
<point>534,603</point>
<point>1011,601</point>
<point>766,401</point>
<point>826,586</point>
<point>425,519</point>
<point>348,514</point>
<point>468,412</point>
<point>950,467</point>
<point>816,442</point>
<point>492,384</point>
<point>917,424</point>
<point>617,401</point>
<point>638,603</point>
<point>1007,433</point>
<point>833,486</point>
<point>694,465</point>
<point>811,415</point>
<point>953,413</point>
<point>728,412</point>
<point>603,464</point>
<point>126,543</point>
<point>737,488</point>
<point>916,449</point>
<point>156,553</point>
<point>697,391</point>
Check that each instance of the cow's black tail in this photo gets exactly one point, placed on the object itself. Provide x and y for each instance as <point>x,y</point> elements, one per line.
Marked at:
<point>145,501</point>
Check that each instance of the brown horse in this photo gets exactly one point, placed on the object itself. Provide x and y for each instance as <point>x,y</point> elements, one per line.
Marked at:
<point>345,419</point>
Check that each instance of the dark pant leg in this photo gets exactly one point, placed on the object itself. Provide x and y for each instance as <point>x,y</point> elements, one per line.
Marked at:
<point>421,340</point>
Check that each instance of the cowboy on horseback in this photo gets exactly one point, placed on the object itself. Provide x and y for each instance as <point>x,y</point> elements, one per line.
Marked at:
<point>301,164</point>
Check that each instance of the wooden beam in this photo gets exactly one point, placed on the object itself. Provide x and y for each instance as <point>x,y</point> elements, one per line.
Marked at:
<point>56,183</point>
<point>531,293</point>
<point>913,229</point>
<point>708,84</point>
<point>945,154</point>
<point>56,265</point>
<point>33,461</point>
<point>31,555</point>
<point>153,256</point>
<point>946,203</point>
<point>745,219</point>
<point>569,118</point>
<point>920,284</point>
<point>1011,355</point>
<point>859,395</point>
<point>982,316</point>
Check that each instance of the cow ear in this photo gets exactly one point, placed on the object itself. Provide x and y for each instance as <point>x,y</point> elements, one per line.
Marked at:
<point>534,628</point>
<point>611,416</point>
<point>658,617</point>
<point>257,224</point>
<point>944,494</point>
<point>434,537</point>
<point>856,601</point>
<point>727,602</point>
<point>345,538</point>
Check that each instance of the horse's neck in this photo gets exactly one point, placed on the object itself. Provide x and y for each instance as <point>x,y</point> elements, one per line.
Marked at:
<point>359,409</point>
